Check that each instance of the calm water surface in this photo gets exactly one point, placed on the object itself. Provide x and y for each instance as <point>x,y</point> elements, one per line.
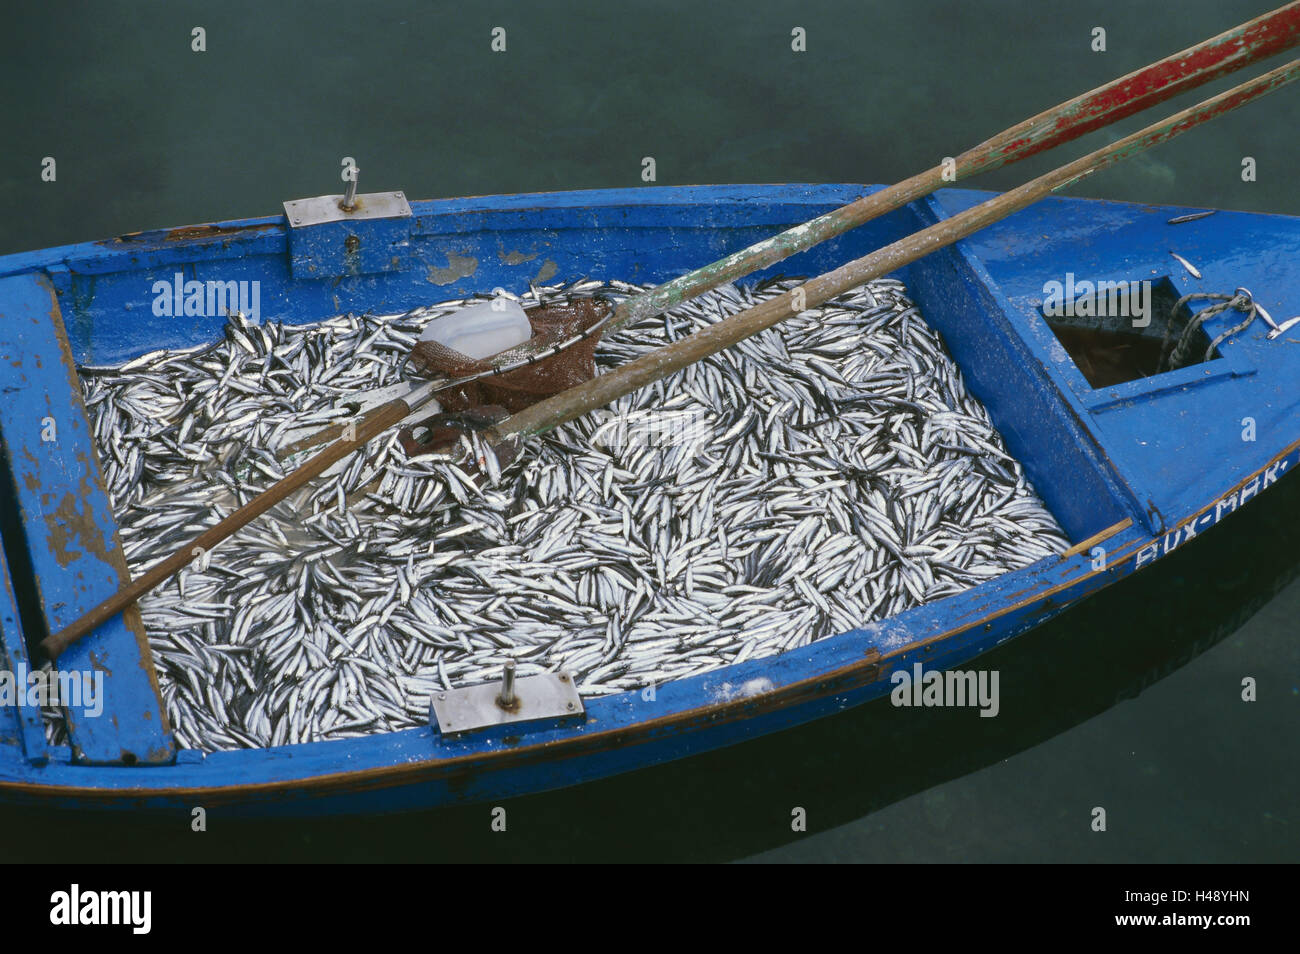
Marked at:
<point>1132,703</point>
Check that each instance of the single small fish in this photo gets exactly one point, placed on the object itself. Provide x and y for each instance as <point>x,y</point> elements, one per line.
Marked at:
<point>1191,217</point>
<point>1284,327</point>
<point>1191,269</point>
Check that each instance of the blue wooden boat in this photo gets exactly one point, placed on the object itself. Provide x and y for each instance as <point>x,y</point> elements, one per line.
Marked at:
<point>1132,469</point>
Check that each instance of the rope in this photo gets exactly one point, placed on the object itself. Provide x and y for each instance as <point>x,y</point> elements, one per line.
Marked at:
<point>1240,300</point>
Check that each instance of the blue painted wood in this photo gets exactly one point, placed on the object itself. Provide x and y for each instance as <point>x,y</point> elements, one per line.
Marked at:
<point>1155,462</point>
<point>459,247</point>
<point>1158,436</point>
<point>22,719</point>
<point>1067,468</point>
<point>338,249</point>
<point>68,533</point>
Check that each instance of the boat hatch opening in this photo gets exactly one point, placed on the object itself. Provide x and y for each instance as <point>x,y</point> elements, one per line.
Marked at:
<point>1115,331</point>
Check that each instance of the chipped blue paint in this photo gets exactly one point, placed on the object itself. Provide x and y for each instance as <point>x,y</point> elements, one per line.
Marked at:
<point>330,250</point>
<point>68,531</point>
<point>22,721</point>
<point>1145,461</point>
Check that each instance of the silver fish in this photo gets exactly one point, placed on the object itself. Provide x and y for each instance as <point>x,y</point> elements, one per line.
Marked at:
<point>1191,269</point>
<point>828,472</point>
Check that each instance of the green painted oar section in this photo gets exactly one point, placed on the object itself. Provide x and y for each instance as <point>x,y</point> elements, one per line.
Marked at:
<point>628,377</point>
<point>1229,51</point>
<point>1248,43</point>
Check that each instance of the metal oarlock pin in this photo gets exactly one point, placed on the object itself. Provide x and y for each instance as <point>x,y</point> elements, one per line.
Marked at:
<point>507,699</point>
<point>349,201</point>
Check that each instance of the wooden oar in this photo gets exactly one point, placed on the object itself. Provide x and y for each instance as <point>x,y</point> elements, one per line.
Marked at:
<point>635,374</point>
<point>375,423</point>
<point>1231,50</point>
<point>1250,42</point>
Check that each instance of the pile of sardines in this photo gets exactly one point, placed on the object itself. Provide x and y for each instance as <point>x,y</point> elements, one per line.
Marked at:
<point>826,473</point>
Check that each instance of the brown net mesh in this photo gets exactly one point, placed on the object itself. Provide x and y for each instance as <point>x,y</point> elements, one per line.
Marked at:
<point>516,390</point>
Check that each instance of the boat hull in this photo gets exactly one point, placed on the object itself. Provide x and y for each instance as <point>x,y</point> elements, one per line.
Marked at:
<point>1124,517</point>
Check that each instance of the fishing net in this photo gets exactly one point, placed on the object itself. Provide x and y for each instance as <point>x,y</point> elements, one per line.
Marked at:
<point>552,325</point>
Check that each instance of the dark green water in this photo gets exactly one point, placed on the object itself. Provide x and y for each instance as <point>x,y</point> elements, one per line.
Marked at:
<point>148,134</point>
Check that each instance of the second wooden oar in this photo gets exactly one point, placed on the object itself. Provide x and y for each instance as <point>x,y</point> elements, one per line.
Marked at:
<point>1247,43</point>
<point>629,377</point>
<point>1229,51</point>
<point>1257,39</point>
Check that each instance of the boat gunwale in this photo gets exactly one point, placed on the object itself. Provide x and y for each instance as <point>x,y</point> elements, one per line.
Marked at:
<point>817,685</point>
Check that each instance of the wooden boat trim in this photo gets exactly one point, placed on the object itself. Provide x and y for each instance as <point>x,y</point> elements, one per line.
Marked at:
<point>1099,537</point>
<point>62,500</point>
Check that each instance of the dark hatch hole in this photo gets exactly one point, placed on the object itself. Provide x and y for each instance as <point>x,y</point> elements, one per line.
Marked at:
<point>1107,348</point>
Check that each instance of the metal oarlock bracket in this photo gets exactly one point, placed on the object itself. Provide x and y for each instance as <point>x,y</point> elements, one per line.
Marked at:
<point>333,236</point>
<point>540,701</point>
<point>304,213</point>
